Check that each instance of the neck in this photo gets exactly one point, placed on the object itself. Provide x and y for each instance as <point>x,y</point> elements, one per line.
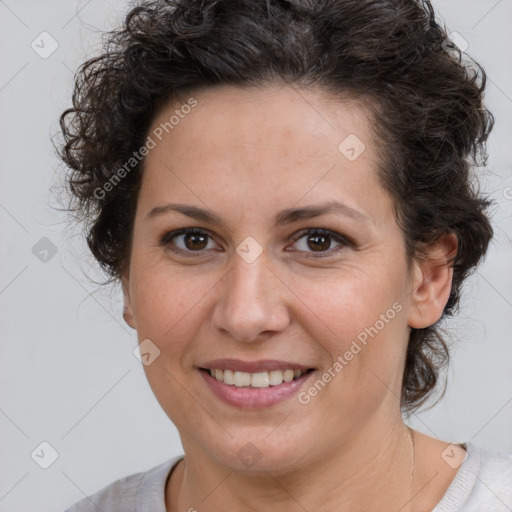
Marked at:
<point>373,471</point>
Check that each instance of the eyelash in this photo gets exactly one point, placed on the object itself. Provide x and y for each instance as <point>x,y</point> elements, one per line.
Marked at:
<point>166,239</point>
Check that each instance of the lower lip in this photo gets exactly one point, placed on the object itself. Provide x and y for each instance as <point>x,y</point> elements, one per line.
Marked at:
<point>254,398</point>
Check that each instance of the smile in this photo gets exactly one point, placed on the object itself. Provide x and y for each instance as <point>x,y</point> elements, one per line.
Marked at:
<point>256,380</point>
<point>260,386</point>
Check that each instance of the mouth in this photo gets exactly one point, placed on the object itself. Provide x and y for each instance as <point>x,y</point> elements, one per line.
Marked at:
<point>254,385</point>
<point>257,379</point>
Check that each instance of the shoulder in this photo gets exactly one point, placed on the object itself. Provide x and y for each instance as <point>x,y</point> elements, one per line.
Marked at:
<point>125,494</point>
<point>494,482</point>
<point>483,483</point>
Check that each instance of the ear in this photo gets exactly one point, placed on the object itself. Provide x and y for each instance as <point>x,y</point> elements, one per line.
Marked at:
<point>128,314</point>
<point>432,282</point>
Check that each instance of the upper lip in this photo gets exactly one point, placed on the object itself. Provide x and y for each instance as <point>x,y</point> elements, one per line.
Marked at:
<point>263,365</point>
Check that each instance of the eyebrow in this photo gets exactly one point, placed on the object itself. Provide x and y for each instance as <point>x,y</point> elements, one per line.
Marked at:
<point>284,217</point>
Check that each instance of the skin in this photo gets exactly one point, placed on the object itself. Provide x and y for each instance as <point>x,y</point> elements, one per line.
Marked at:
<point>246,155</point>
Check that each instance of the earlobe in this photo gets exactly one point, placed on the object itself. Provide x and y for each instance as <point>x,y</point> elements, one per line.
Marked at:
<point>128,314</point>
<point>432,283</point>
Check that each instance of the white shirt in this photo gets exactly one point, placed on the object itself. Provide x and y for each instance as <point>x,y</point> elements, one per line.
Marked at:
<point>483,483</point>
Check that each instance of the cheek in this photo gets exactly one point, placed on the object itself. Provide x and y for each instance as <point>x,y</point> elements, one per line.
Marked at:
<point>358,319</point>
<point>344,303</point>
<point>168,303</point>
<point>170,308</point>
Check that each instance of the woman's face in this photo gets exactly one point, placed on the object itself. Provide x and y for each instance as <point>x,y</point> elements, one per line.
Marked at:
<point>254,289</point>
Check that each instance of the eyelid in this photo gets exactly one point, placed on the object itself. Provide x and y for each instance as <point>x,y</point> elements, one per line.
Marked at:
<point>342,240</point>
<point>315,230</point>
<point>166,239</point>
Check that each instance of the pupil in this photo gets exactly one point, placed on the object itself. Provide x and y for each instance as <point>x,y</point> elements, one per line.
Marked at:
<point>317,239</point>
<point>194,237</point>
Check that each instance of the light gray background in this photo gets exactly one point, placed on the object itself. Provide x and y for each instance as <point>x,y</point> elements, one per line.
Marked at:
<point>68,374</point>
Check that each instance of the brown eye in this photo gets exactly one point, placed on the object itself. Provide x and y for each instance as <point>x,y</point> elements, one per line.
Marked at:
<point>318,240</point>
<point>195,241</point>
<point>186,240</point>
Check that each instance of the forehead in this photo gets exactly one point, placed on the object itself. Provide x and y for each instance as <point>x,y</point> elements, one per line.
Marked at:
<point>269,145</point>
<point>278,117</point>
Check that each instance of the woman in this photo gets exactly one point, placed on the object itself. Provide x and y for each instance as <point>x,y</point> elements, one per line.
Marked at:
<point>283,190</point>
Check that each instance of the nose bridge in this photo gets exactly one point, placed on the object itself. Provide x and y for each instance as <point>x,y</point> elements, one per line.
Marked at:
<point>251,301</point>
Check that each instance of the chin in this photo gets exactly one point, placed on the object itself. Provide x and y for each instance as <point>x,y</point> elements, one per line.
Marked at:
<point>255,452</point>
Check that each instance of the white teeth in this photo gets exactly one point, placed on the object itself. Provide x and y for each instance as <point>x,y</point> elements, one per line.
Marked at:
<point>255,380</point>
<point>241,379</point>
<point>288,375</point>
<point>275,377</point>
<point>229,377</point>
<point>260,380</point>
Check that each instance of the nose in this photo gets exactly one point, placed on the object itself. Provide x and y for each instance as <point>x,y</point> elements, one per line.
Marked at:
<point>251,301</point>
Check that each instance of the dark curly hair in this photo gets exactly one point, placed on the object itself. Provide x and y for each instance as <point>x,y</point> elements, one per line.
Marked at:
<point>425,98</point>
